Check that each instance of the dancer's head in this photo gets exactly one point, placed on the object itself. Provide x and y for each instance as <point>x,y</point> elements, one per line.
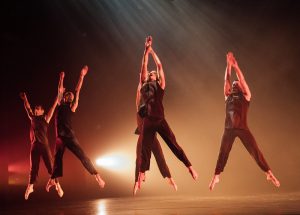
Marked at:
<point>39,110</point>
<point>236,86</point>
<point>152,76</point>
<point>68,97</point>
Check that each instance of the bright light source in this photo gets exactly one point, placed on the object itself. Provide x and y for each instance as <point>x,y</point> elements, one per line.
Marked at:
<point>114,162</point>
<point>109,162</point>
<point>101,208</point>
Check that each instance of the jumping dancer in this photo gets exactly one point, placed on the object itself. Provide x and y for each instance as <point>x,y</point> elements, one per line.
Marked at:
<point>237,100</point>
<point>39,140</point>
<point>152,92</point>
<point>65,136</point>
<point>156,150</point>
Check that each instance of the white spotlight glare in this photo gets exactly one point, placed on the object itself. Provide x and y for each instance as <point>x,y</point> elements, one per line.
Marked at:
<point>113,162</point>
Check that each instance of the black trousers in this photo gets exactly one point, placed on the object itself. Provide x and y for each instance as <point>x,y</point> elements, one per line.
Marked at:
<point>73,145</point>
<point>149,129</point>
<point>37,151</point>
<point>248,141</point>
<point>159,157</point>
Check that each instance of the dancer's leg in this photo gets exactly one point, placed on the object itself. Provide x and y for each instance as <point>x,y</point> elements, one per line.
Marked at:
<point>147,137</point>
<point>57,167</point>
<point>168,136</point>
<point>161,162</point>
<point>226,145</point>
<point>47,158</point>
<point>250,144</point>
<point>73,145</point>
<point>34,168</point>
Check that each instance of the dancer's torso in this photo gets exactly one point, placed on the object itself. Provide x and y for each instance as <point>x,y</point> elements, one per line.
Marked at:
<point>38,130</point>
<point>152,96</point>
<point>236,111</point>
<point>64,120</point>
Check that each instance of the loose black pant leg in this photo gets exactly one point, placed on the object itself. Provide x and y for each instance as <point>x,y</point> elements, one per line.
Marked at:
<point>47,158</point>
<point>34,162</point>
<point>73,145</point>
<point>147,137</point>
<point>250,144</point>
<point>166,133</point>
<point>58,158</point>
<point>226,145</point>
<point>138,158</point>
<point>160,159</point>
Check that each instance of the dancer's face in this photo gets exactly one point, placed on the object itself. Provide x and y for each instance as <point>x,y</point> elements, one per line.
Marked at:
<point>68,97</point>
<point>236,86</point>
<point>38,110</point>
<point>152,76</point>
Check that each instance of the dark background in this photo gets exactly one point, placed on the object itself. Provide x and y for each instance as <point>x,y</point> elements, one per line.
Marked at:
<point>41,38</point>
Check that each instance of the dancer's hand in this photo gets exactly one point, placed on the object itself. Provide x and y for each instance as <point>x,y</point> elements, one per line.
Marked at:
<point>229,57</point>
<point>23,95</point>
<point>84,70</point>
<point>62,74</point>
<point>148,43</point>
<point>231,61</point>
<point>61,91</point>
<point>234,62</point>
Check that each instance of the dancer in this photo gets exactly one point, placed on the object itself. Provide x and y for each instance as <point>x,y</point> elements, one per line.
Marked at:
<point>39,140</point>
<point>65,136</point>
<point>237,100</point>
<point>152,92</point>
<point>156,149</point>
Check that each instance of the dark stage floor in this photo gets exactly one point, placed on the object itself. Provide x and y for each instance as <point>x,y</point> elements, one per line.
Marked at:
<point>178,205</point>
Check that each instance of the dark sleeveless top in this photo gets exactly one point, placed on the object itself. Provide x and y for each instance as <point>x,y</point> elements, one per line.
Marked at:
<point>236,111</point>
<point>63,120</point>
<point>152,96</point>
<point>38,129</point>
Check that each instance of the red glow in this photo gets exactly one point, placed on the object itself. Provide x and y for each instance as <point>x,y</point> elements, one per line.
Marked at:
<point>18,168</point>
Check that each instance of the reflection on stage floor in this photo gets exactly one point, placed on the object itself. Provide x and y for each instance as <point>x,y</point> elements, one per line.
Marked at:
<point>175,205</point>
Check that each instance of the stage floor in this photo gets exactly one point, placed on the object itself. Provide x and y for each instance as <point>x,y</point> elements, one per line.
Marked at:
<point>175,205</point>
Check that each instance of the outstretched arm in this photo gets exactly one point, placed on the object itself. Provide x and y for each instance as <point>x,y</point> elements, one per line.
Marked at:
<point>244,85</point>
<point>138,96</point>
<point>26,105</point>
<point>144,69</point>
<point>58,97</point>
<point>159,68</point>
<point>49,115</point>
<point>227,83</point>
<point>61,89</point>
<point>83,72</point>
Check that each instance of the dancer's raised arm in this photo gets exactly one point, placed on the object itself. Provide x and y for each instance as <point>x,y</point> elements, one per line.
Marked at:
<point>138,96</point>
<point>26,105</point>
<point>159,68</point>
<point>227,83</point>
<point>144,69</point>
<point>83,72</point>
<point>61,89</point>
<point>243,84</point>
<point>58,98</point>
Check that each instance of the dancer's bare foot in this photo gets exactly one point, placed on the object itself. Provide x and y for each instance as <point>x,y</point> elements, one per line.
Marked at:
<point>28,191</point>
<point>272,178</point>
<point>50,183</point>
<point>172,183</point>
<point>54,182</point>
<point>214,181</point>
<point>193,172</point>
<point>59,190</point>
<point>141,178</point>
<point>135,188</point>
<point>100,181</point>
